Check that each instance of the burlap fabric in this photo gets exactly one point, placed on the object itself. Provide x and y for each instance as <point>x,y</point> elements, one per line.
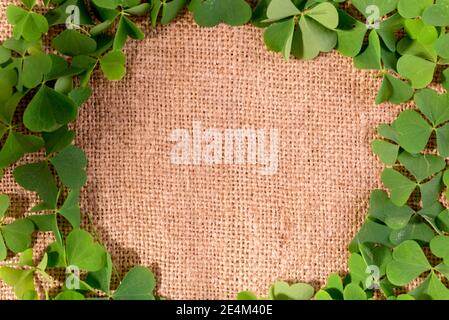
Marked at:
<point>211,231</point>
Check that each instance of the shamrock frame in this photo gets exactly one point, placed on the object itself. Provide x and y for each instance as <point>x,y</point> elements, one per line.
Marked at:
<point>405,40</point>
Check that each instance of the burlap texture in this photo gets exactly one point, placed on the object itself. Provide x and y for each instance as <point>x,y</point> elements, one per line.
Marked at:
<point>211,231</point>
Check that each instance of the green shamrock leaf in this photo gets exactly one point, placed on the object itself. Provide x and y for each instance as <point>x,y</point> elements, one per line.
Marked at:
<point>400,187</point>
<point>34,68</point>
<point>283,291</point>
<point>351,34</point>
<point>431,288</point>
<point>70,165</point>
<point>47,223</point>
<point>442,46</point>
<point>113,65</point>
<point>416,229</point>
<point>167,10</point>
<point>408,263</point>
<point>437,15</point>
<point>21,280</point>
<point>49,110</point>
<point>383,209</point>
<point>17,235</point>
<point>418,70</point>
<point>386,151</point>
<point>385,6</point>
<point>357,269</point>
<point>354,292</point>
<point>371,57</point>
<point>278,37</point>
<point>16,146</point>
<point>83,252</point>
<point>433,105</point>
<point>4,205</point>
<point>311,38</point>
<point>209,13</point>
<point>73,43</point>
<point>394,90</point>
<point>413,8</point>
<point>101,279</point>
<point>372,232</point>
<point>412,130</point>
<point>138,284</point>
<point>419,31</point>
<point>422,166</point>
<point>126,28</point>
<point>280,9</point>
<point>70,209</point>
<point>57,140</point>
<point>37,177</point>
<point>246,295</point>
<point>27,24</point>
<point>69,295</point>
<point>440,247</point>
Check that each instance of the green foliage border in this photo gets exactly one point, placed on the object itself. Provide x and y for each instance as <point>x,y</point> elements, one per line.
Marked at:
<point>400,252</point>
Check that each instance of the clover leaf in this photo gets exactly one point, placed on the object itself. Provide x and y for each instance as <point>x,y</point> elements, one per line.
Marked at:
<point>209,13</point>
<point>17,235</point>
<point>21,280</point>
<point>168,10</point>
<point>16,146</point>
<point>126,28</point>
<point>386,151</point>
<point>385,6</point>
<point>440,247</point>
<point>418,70</point>
<point>437,15</point>
<point>70,165</point>
<point>27,24</point>
<point>49,110</point>
<point>371,57</point>
<point>113,65</point>
<point>431,288</point>
<point>408,263</point>
<point>283,291</point>
<point>138,284</point>
<point>413,8</point>
<point>422,166</point>
<point>83,252</point>
<point>412,130</point>
<point>38,177</point>
<point>394,90</point>
<point>354,292</point>
<point>74,43</point>
<point>433,105</point>
<point>400,187</point>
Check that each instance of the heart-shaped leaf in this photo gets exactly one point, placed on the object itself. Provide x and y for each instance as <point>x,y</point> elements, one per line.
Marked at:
<point>412,130</point>
<point>38,177</point>
<point>113,65</point>
<point>370,58</point>
<point>83,252</point>
<point>413,8</point>
<point>422,166</point>
<point>209,13</point>
<point>70,165</point>
<point>400,187</point>
<point>138,284</point>
<point>18,234</point>
<point>279,35</point>
<point>283,291</point>
<point>280,9</point>
<point>73,43</point>
<point>16,146</point>
<point>387,152</point>
<point>434,106</point>
<point>408,263</point>
<point>418,70</point>
<point>49,110</point>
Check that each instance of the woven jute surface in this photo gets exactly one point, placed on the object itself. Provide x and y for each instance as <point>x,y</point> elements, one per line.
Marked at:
<point>211,231</point>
